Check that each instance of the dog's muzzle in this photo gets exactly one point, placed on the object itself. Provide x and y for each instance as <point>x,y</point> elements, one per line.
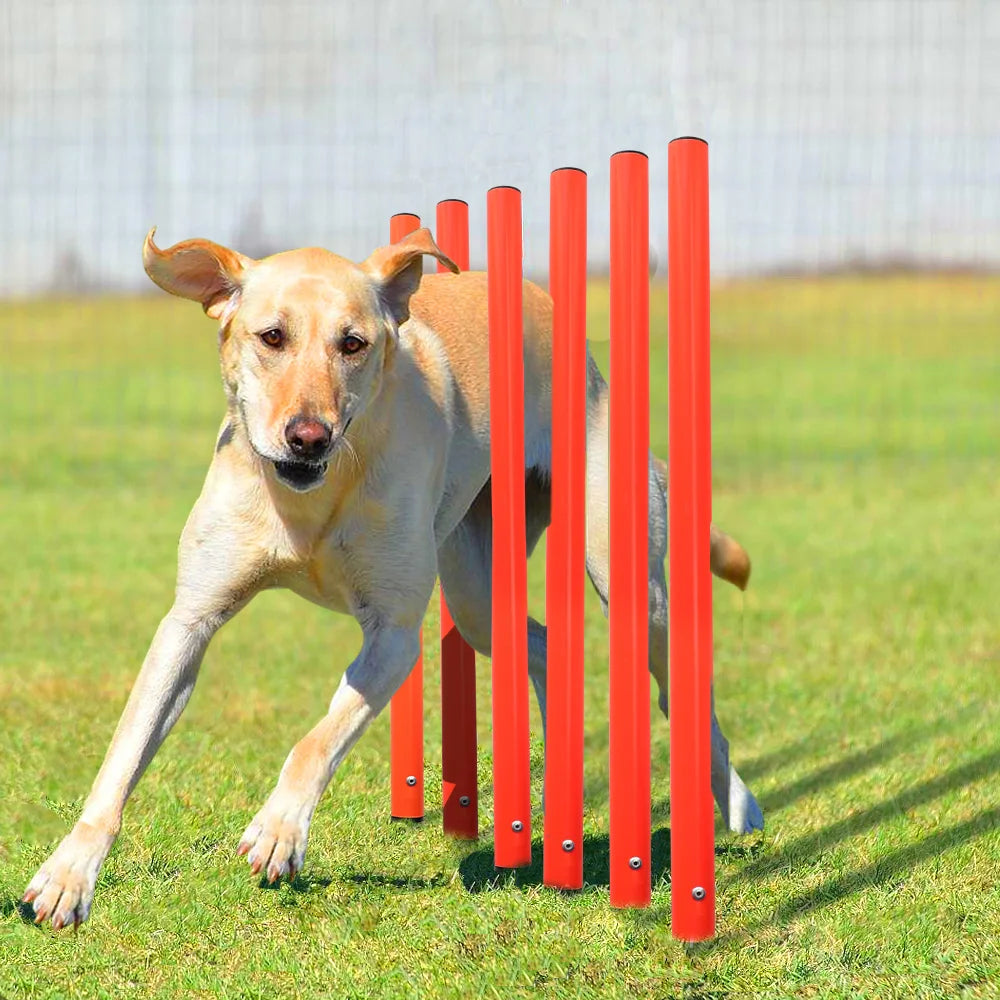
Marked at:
<point>311,442</point>
<point>301,476</point>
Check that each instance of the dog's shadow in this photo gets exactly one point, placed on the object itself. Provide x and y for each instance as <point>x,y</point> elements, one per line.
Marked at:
<point>478,873</point>
<point>13,905</point>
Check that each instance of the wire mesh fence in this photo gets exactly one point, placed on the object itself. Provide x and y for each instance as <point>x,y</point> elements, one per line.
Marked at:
<point>857,133</point>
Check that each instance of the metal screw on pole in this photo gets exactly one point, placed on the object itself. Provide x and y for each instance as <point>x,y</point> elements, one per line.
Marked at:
<point>698,892</point>
<point>635,863</point>
<point>568,845</point>
<point>411,780</point>
<point>517,826</point>
<point>464,800</point>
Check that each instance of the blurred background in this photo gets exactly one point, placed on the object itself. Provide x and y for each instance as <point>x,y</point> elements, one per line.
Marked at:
<point>843,133</point>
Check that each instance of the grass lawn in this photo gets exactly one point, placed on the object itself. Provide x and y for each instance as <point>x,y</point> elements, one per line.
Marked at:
<point>857,457</point>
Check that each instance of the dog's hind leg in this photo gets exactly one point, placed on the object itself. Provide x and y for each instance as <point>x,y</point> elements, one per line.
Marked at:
<point>736,803</point>
<point>465,566</point>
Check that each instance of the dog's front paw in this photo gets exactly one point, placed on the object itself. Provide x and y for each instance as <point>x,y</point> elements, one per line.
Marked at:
<point>275,842</point>
<point>63,888</point>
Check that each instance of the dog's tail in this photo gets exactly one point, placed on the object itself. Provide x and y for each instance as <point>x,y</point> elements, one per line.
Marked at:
<point>728,559</point>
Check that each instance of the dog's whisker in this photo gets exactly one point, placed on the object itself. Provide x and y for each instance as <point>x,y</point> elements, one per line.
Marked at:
<point>345,448</point>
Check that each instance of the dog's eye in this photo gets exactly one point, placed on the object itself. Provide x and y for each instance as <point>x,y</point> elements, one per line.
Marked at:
<point>273,338</point>
<point>352,343</point>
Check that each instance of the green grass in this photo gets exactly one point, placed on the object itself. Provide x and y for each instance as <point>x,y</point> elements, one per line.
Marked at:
<point>856,437</point>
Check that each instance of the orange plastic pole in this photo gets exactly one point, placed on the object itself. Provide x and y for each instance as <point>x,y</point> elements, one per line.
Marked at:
<point>566,540</point>
<point>629,803</point>
<point>459,751</point>
<point>511,767</point>
<point>406,710</point>
<point>692,830</point>
<point>453,231</point>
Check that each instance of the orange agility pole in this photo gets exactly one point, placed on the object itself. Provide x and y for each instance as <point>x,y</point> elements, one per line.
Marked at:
<point>406,711</point>
<point>511,770</point>
<point>566,540</point>
<point>453,232</point>
<point>692,831</point>
<point>629,737</point>
<point>460,794</point>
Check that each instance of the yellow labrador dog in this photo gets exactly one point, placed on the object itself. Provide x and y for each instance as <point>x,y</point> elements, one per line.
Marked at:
<point>353,468</point>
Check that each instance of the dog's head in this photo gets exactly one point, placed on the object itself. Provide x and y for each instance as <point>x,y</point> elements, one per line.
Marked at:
<point>305,337</point>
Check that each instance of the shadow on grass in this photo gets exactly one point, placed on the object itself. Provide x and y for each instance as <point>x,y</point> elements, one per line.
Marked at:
<point>302,883</point>
<point>814,844</point>
<point>757,767</point>
<point>773,760</point>
<point>890,867</point>
<point>861,760</point>
<point>306,883</point>
<point>837,771</point>
<point>829,774</point>
<point>408,882</point>
<point>595,791</point>
<point>14,904</point>
<point>479,875</point>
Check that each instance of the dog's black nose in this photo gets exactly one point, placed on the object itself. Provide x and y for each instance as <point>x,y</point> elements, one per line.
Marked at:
<point>308,439</point>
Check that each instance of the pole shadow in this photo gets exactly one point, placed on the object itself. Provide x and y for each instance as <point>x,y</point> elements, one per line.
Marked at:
<point>812,845</point>
<point>479,875</point>
<point>858,761</point>
<point>890,867</point>
<point>305,883</point>
<point>407,883</point>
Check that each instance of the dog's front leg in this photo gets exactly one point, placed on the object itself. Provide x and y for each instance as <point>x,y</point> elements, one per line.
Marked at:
<point>63,888</point>
<point>275,841</point>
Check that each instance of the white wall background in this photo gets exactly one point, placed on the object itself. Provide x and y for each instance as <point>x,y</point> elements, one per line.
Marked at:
<point>842,132</point>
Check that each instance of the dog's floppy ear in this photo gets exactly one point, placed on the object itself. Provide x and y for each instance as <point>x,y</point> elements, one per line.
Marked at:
<point>198,270</point>
<point>397,269</point>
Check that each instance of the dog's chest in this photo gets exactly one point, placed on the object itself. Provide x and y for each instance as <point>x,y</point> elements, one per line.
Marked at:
<point>319,570</point>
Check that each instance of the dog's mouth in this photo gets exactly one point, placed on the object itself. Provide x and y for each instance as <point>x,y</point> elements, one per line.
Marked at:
<point>300,476</point>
